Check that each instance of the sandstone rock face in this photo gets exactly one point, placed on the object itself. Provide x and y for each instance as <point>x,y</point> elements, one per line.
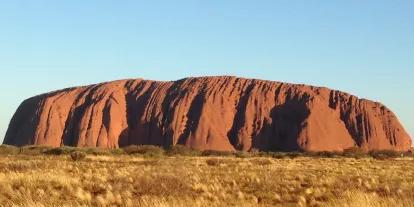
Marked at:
<point>217,113</point>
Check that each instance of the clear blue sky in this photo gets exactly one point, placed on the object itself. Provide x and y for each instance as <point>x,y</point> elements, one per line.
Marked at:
<point>362,47</point>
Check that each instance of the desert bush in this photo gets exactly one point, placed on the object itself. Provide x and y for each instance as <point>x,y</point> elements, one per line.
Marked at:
<point>102,151</point>
<point>214,162</point>
<point>354,152</point>
<point>385,154</point>
<point>117,151</point>
<point>59,150</point>
<point>94,151</point>
<point>146,150</point>
<point>293,155</point>
<point>261,154</point>
<point>181,150</point>
<point>278,155</point>
<point>216,153</point>
<point>323,154</point>
<point>77,155</point>
<point>8,150</point>
<point>33,149</point>
<point>242,154</point>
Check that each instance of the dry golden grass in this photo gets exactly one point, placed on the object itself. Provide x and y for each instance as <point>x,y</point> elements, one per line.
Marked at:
<point>132,180</point>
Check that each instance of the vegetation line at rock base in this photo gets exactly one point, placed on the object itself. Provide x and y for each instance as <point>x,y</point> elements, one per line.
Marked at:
<point>179,150</point>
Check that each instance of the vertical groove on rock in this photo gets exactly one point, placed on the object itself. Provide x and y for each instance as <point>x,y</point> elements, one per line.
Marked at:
<point>193,118</point>
<point>239,117</point>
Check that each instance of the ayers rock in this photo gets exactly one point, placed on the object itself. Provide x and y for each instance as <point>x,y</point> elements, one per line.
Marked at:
<point>216,113</point>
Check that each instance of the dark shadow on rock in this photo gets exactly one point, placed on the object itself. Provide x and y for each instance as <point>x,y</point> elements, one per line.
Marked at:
<point>283,131</point>
<point>22,129</point>
<point>239,118</point>
<point>123,139</point>
<point>193,117</point>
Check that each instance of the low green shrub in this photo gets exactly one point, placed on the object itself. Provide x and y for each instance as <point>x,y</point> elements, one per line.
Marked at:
<point>8,150</point>
<point>354,152</point>
<point>385,154</point>
<point>293,155</point>
<point>242,154</point>
<point>147,150</point>
<point>279,155</point>
<point>261,154</point>
<point>33,149</point>
<point>96,151</point>
<point>323,154</point>
<point>117,151</point>
<point>101,151</point>
<point>181,150</point>
<point>216,153</point>
<point>59,150</point>
<point>156,151</point>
